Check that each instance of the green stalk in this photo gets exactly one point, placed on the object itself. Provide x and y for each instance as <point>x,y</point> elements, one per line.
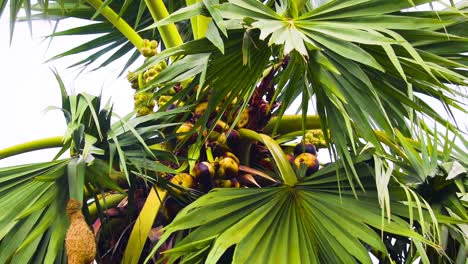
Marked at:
<point>118,23</point>
<point>199,23</point>
<point>169,33</point>
<point>109,201</point>
<point>291,123</point>
<point>45,143</point>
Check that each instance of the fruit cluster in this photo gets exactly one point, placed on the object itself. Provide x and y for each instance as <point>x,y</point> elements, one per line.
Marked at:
<point>315,137</point>
<point>143,100</point>
<point>219,166</point>
<point>149,48</point>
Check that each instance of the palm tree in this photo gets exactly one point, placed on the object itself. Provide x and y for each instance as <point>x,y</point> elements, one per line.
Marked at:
<point>211,167</point>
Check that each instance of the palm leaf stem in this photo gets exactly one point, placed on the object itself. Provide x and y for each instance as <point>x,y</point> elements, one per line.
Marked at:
<point>118,23</point>
<point>45,143</point>
<point>199,23</point>
<point>169,33</point>
<point>143,225</point>
<point>106,202</point>
<point>290,123</point>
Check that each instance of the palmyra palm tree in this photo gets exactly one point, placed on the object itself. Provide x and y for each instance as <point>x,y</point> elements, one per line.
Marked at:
<point>210,168</point>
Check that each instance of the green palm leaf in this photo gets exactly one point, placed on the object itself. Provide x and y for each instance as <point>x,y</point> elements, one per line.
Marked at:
<point>33,215</point>
<point>311,222</point>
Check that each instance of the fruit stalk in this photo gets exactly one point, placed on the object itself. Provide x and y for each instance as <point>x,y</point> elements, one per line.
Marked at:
<point>118,23</point>
<point>290,123</point>
<point>169,33</point>
<point>45,143</point>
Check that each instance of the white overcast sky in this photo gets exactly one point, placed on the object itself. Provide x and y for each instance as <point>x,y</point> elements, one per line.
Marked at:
<point>28,86</point>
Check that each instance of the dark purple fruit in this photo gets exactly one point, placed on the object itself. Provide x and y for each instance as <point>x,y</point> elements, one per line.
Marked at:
<point>233,139</point>
<point>290,158</point>
<point>305,148</point>
<point>203,170</point>
<point>204,173</point>
<point>172,207</point>
<point>310,160</point>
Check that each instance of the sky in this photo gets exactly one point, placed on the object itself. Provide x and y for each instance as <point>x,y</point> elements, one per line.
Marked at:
<point>29,86</point>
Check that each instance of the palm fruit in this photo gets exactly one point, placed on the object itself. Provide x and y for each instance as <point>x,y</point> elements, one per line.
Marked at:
<point>310,160</point>
<point>172,207</point>
<point>227,168</point>
<point>142,111</point>
<point>80,242</point>
<point>232,183</point>
<point>316,137</point>
<point>184,180</point>
<point>244,119</point>
<point>142,98</point>
<point>148,48</point>
<point>204,172</point>
<point>290,157</point>
<point>184,130</point>
<point>220,126</point>
<point>232,156</point>
<point>163,99</point>
<point>221,139</point>
<point>305,148</point>
<point>213,136</point>
<point>154,71</point>
<point>233,139</point>
<point>200,108</point>
<point>133,79</point>
<point>144,103</point>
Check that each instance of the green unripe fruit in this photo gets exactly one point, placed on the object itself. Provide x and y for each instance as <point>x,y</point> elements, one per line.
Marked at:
<point>142,111</point>
<point>153,44</point>
<point>131,76</point>
<point>147,52</point>
<point>163,99</point>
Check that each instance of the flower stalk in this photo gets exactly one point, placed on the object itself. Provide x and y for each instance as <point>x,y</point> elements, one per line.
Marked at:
<point>119,23</point>
<point>169,33</point>
<point>45,143</point>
